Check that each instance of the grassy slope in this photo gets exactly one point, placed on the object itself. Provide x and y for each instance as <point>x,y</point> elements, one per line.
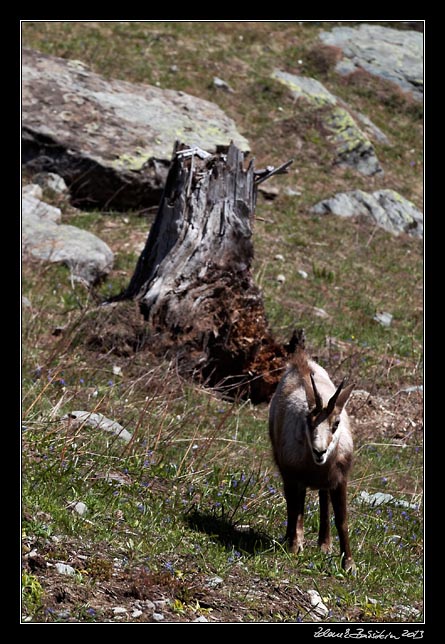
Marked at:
<point>170,505</point>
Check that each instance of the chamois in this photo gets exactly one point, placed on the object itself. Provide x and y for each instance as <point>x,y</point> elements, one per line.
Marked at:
<point>312,445</point>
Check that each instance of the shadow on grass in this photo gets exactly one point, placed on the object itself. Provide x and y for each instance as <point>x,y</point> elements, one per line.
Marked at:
<point>242,538</point>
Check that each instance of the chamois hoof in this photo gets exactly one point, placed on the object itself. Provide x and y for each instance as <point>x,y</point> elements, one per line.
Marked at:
<point>294,547</point>
<point>325,548</point>
<point>349,566</point>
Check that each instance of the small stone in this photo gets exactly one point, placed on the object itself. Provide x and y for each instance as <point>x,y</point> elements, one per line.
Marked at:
<point>201,618</point>
<point>383,318</point>
<point>52,181</point>
<point>136,613</point>
<point>303,274</point>
<point>219,83</point>
<point>64,569</point>
<point>279,258</point>
<point>320,313</point>
<point>158,617</point>
<point>281,278</point>
<point>213,582</point>
<point>119,610</point>
<point>160,604</point>
<point>80,508</point>
<point>320,609</point>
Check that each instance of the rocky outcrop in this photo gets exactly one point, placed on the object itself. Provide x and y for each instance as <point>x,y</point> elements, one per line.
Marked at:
<point>352,146</point>
<point>44,237</point>
<point>392,54</point>
<point>111,141</point>
<point>386,208</point>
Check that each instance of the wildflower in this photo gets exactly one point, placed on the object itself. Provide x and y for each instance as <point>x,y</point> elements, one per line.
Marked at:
<point>169,566</point>
<point>384,480</point>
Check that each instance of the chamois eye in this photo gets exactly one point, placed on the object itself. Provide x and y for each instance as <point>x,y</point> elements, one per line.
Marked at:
<point>335,424</point>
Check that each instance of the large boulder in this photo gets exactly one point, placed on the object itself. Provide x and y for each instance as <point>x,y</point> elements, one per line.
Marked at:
<point>386,208</point>
<point>110,140</point>
<point>43,236</point>
<point>392,54</point>
<point>351,143</point>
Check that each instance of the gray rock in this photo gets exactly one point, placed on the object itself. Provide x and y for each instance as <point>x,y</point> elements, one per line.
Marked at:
<point>410,390</point>
<point>307,88</point>
<point>219,83</point>
<point>64,569</point>
<point>386,208</point>
<point>136,612</point>
<point>384,318</point>
<point>352,146</point>
<point>391,54</point>
<point>87,256</point>
<point>100,422</point>
<point>158,617</point>
<point>80,508</point>
<point>320,610</point>
<point>32,206</point>
<point>52,181</point>
<point>111,141</point>
<point>381,498</point>
<point>32,190</point>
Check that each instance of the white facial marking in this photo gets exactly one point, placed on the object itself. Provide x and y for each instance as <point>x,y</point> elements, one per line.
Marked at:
<point>322,442</point>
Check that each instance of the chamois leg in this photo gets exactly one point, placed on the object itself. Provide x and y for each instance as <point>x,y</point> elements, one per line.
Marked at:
<point>324,532</point>
<point>295,497</point>
<point>338,498</point>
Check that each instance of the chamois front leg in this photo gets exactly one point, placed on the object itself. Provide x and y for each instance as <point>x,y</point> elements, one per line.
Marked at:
<point>295,498</point>
<point>324,532</point>
<point>338,498</point>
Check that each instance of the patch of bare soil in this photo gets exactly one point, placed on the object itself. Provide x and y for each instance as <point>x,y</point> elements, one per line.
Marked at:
<point>396,417</point>
<point>112,592</point>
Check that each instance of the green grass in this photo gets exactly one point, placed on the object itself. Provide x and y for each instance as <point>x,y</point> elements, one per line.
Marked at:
<point>195,494</point>
<point>196,491</point>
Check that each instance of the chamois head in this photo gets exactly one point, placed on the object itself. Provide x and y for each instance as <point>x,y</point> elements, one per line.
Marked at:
<point>323,420</point>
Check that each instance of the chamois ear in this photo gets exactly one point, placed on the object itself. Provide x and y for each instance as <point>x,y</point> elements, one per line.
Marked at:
<point>343,396</point>
<point>338,400</point>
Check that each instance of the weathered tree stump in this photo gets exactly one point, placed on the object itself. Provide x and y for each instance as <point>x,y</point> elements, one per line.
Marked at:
<point>193,279</point>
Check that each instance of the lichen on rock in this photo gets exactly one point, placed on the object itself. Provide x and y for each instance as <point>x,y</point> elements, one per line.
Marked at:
<point>352,146</point>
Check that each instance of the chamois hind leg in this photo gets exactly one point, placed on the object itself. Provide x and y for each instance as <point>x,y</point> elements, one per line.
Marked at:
<point>324,532</point>
<point>295,497</point>
<point>338,498</point>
